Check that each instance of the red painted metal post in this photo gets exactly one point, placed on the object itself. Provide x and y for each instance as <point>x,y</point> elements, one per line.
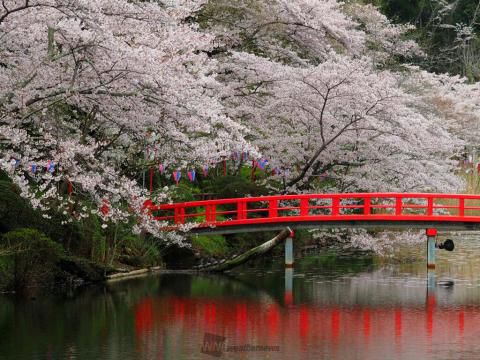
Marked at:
<point>335,206</point>
<point>273,208</point>
<point>176,215</point>
<point>179,215</point>
<point>429,206</point>
<point>432,232</point>
<point>398,206</point>
<point>461,206</point>
<point>182,215</point>
<point>213,213</point>
<point>241,210</point>
<point>367,202</point>
<point>304,207</point>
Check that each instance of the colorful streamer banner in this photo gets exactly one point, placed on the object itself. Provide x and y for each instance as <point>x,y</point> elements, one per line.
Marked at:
<point>177,175</point>
<point>236,155</point>
<point>50,166</point>
<point>161,168</point>
<point>191,175</point>
<point>14,163</point>
<point>33,168</point>
<point>262,163</point>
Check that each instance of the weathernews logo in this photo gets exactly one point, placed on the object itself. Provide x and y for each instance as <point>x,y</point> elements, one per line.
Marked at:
<point>215,345</point>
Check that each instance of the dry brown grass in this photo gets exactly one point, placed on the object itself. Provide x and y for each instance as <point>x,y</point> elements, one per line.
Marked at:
<point>472,180</point>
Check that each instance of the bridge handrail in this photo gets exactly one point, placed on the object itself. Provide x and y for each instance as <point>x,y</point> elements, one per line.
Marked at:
<point>336,208</point>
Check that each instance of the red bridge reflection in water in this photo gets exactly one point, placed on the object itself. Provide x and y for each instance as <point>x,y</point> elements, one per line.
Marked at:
<point>321,330</point>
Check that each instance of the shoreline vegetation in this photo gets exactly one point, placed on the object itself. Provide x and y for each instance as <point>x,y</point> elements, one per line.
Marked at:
<point>102,111</point>
<point>36,254</point>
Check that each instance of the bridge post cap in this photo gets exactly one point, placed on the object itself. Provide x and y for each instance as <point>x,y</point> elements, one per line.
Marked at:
<point>292,233</point>
<point>431,232</point>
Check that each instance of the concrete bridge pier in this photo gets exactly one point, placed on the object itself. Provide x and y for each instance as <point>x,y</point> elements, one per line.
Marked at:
<point>289,261</point>
<point>431,240</point>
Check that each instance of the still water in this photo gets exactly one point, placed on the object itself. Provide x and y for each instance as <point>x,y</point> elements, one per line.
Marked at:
<point>328,308</point>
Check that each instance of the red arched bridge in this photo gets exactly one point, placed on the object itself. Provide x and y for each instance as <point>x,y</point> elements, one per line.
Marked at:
<point>361,210</point>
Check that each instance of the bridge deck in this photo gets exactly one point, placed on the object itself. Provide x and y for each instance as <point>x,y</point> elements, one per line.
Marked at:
<point>361,210</point>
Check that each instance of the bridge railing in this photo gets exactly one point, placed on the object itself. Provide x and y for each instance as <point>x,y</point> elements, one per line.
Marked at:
<point>311,207</point>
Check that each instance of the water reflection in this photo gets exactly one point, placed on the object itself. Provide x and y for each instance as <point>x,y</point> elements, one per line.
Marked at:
<point>325,308</point>
<point>423,325</point>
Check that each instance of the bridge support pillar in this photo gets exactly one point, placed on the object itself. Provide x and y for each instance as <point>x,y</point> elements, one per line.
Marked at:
<point>431,240</point>
<point>289,250</point>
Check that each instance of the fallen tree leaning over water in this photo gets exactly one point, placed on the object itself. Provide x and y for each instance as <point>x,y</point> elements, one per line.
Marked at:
<point>262,249</point>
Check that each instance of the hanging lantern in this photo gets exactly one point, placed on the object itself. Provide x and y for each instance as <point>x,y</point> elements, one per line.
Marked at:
<point>205,170</point>
<point>161,168</point>
<point>33,168</point>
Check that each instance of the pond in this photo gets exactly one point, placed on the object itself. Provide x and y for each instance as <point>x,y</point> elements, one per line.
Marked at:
<point>328,307</point>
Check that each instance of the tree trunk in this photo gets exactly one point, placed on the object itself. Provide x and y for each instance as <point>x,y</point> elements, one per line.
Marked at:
<point>250,254</point>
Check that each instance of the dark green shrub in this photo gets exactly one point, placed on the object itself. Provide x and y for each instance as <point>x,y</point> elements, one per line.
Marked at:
<point>31,257</point>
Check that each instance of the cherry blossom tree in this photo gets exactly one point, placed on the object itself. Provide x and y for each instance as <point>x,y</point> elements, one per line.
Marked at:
<point>332,109</point>
<point>94,92</point>
<point>88,88</point>
<point>345,120</point>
